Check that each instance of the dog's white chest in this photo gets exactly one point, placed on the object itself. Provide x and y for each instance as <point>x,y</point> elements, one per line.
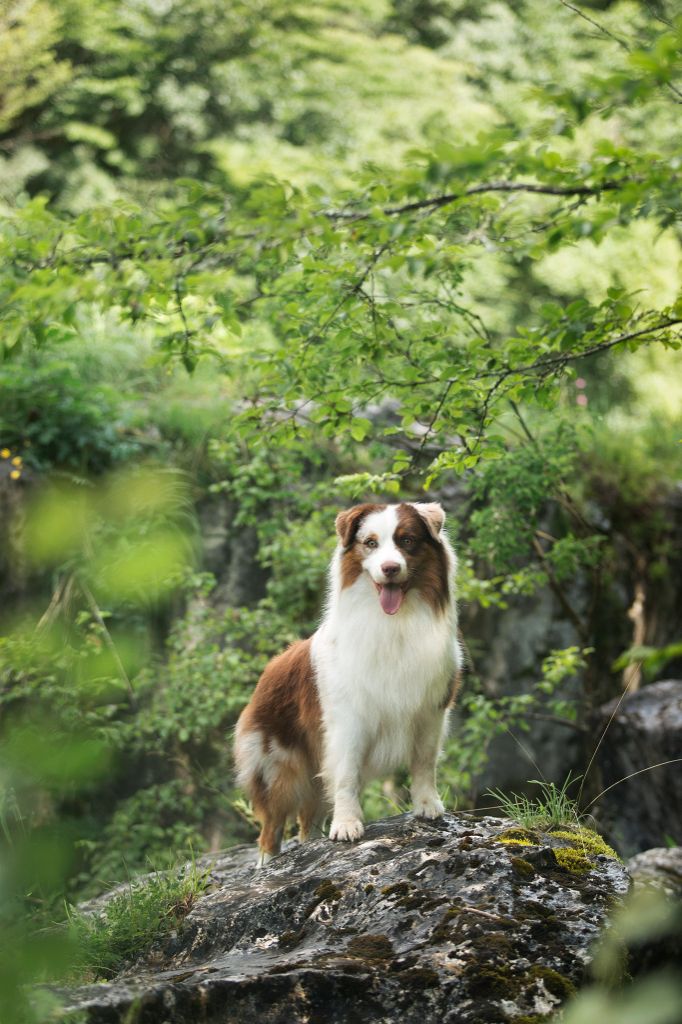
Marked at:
<point>382,667</point>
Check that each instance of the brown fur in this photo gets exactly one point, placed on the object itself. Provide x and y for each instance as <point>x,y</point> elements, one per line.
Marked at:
<point>426,561</point>
<point>347,526</point>
<point>285,709</point>
<point>351,565</point>
<point>348,522</point>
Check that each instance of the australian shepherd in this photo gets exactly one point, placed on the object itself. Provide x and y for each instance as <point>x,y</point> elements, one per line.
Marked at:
<point>369,691</point>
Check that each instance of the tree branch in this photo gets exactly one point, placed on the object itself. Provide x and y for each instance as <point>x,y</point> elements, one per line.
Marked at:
<point>536,188</point>
<point>567,357</point>
<point>580,626</point>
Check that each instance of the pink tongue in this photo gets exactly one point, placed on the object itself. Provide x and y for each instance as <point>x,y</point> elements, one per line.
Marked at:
<point>391,598</point>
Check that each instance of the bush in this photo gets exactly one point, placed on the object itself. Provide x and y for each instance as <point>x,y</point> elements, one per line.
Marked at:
<point>54,419</point>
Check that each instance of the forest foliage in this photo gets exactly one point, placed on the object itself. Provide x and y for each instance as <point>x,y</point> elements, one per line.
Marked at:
<point>285,257</point>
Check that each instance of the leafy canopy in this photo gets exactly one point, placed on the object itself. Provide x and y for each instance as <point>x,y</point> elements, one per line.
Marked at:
<point>325,300</point>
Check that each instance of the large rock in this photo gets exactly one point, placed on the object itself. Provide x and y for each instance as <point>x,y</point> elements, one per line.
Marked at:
<point>650,923</point>
<point>231,553</point>
<point>646,730</point>
<point>455,920</point>
<point>660,868</point>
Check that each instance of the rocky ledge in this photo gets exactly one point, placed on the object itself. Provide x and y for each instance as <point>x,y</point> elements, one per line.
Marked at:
<point>457,920</point>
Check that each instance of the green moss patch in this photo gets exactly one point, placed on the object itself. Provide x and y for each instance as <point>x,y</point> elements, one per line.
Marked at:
<point>519,836</point>
<point>581,838</point>
<point>290,939</point>
<point>442,932</point>
<point>556,984</point>
<point>495,982</point>
<point>327,890</point>
<point>582,845</point>
<point>370,947</point>
<point>533,1018</point>
<point>572,860</point>
<point>523,868</point>
<point>419,978</point>
<point>397,889</point>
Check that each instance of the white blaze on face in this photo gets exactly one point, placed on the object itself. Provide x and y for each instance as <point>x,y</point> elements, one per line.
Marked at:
<point>379,552</point>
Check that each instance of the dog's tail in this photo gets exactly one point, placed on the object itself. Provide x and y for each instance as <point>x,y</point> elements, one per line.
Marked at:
<point>276,749</point>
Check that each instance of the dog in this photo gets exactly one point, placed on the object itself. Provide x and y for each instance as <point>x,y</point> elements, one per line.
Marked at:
<point>369,692</point>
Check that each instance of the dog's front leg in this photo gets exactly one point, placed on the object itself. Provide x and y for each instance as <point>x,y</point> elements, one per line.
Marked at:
<point>343,775</point>
<point>428,740</point>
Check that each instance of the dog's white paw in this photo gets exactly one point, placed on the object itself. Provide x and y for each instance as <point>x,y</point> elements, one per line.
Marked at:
<point>429,807</point>
<point>263,859</point>
<point>346,829</point>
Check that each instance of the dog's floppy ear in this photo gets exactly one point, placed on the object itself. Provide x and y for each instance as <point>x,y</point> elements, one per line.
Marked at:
<point>433,514</point>
<point>348,522</point>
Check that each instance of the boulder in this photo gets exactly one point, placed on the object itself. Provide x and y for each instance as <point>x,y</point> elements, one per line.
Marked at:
<point>660,868</point>
<point>650,922</point>
<point>457,920</point>
<point>646,730</point>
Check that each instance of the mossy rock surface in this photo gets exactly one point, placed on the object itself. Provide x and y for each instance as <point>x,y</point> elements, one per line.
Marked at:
<point>575,847</point>
<point>590,843</point>
<point>419,921</point>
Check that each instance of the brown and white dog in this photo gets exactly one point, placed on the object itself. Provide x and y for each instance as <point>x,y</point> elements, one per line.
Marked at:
<point>369,691</point>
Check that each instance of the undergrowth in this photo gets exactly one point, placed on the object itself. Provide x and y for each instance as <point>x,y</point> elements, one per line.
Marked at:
<point>131,920</point>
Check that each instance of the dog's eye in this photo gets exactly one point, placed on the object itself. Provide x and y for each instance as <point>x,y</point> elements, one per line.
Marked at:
<point>370,543</point>
<point>407,542</point>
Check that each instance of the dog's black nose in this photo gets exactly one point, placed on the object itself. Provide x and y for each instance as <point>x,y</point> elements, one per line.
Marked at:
<point>390,569</point>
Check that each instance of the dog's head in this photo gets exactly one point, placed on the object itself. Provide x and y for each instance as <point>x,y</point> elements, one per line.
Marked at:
<point>400,547</point>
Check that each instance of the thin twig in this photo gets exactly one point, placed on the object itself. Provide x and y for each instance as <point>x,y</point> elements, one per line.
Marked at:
<point>50,612</point>
<point>524,427</point>
<point>580,626</point>
<point>557,720</point>
<point>465,909</point>
<point>595,24</point>
<point>621,42</point>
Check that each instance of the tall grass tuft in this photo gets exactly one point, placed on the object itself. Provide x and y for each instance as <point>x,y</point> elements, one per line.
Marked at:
<point>131,920</point>
<point>553,805</point>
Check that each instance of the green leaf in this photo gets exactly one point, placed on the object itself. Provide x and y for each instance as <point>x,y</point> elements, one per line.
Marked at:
<point>360,428</point>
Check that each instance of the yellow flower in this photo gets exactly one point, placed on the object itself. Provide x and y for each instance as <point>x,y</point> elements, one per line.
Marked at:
<point>15,474</point>
<point>5,453</point>
<point>16,461</point>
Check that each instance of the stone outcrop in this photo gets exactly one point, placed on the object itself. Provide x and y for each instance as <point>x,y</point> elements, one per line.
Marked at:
<point>644,731</point>
<point>459,920</point>
<point>660,868</point>
<point>650,923</point>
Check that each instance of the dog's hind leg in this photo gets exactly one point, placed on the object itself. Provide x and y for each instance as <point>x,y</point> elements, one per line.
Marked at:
<point>269,840</point>
<point>283,792</point>
<point>312,813</point>
<point>259,774</point>
<point>272,808</point>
